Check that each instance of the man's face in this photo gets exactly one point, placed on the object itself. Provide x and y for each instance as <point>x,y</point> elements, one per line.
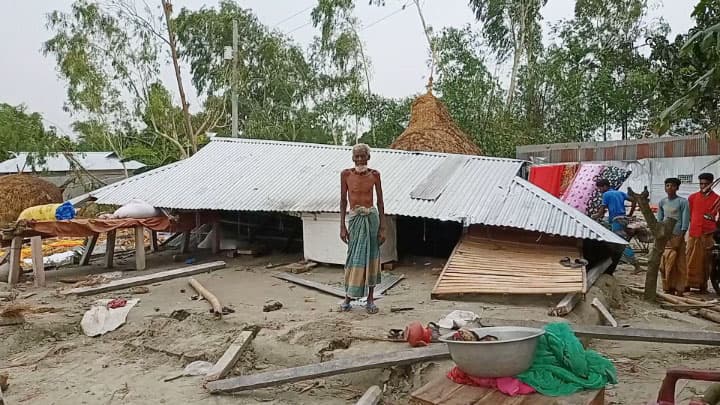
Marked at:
<point>360,157</point>
<point>704,184</point>
<point>670,189</point>
<point>603,189</point>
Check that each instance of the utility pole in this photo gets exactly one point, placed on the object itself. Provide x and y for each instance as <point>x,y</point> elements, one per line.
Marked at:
<point>234,81</point>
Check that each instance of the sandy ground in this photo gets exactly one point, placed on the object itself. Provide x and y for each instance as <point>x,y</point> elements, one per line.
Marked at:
<point>50,361</point>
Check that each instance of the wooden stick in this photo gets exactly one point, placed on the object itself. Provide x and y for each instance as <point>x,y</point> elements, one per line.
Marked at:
<point>14,269</point>
<point>329,368</point>
<point>37,261</point>
<point>604,312</point>
<point>110,249</point>
<point>568,303</point>
<point>154,241</point>
<point>139,247</point>
<point>210,297</point>
<point>371,396</point>
<point>231,356</point>
<point>707,314</point>
<point>147,279</point>
<point>89,247</point>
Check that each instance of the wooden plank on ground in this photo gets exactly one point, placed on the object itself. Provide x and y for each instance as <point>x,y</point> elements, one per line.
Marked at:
<point>604,312</point>
<point>110,249</point>
<point>625,334</point>
<point>231,355</point>
<point>14,261</point>
<point>37,261</point>
<point>311,284</point>
<point>329,368</point>
<point>147,279</point>
<point>140,248</point>
<point>567,304</point>
<point>388,283</point>
<point>371,396</point>
<point>89,247</point>
<point>301,267</point>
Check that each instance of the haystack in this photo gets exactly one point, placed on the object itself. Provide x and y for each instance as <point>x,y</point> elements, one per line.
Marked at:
<point>432,129</point>
<point>20,191</point>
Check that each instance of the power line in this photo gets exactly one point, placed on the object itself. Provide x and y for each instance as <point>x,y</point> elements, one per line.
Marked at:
<point>293,16</point>
<point>401,9</point>
<point>297,28</point>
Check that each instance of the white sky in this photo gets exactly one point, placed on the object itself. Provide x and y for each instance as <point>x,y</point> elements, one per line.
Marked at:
<point>393,39</point>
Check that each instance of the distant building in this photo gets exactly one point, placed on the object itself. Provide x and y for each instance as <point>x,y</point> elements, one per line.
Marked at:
<point>77,172</point>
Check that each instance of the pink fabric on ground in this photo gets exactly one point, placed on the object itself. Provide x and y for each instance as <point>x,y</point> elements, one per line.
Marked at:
<point>507,385</point>
<point>581,190</point>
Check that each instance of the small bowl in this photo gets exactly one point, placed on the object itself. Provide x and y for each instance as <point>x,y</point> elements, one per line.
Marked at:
<point>508,356</point>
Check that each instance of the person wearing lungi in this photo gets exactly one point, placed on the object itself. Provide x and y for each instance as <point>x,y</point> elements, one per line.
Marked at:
<point>703,214</point>
<point>365,228</point>
<point>673,264</point>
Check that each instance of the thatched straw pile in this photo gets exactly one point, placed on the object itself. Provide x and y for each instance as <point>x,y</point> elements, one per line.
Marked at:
<point>432,129</point>
<point>20,191</point>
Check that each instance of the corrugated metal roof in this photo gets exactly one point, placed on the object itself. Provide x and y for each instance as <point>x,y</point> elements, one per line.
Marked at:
<point>258,175</point>
<point>91,161</point>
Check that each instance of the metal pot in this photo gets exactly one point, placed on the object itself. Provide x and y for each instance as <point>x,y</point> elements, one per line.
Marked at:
<point>508,356</point>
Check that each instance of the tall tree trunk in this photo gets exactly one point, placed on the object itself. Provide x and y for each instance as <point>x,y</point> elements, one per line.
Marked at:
<point>513,75</point>
<point>662,232</point>
<point>167,8</point>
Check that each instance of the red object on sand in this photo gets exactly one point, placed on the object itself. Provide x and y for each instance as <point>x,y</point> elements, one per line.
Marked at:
<point>666,395</point>
<point>117,303</point>
<point>418,335</point>
<point>507,385</point>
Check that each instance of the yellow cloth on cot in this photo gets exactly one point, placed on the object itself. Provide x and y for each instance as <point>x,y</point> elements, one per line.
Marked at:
<point>39,212</point>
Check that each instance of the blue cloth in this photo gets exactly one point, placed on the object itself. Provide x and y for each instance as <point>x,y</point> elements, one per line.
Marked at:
<point>615,202</point>
<point>619,228</point>
<point>65,211</point>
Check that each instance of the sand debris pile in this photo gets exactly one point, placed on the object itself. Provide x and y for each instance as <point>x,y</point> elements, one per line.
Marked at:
<point>432,129</point>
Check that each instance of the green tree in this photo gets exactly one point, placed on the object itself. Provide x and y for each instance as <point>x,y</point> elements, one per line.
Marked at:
<point>511,27</point>
<point>23,131</point>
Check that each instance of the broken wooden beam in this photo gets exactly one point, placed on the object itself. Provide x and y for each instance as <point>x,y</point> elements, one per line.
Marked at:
<point>210,297</point>
<point>147,279</point>
<point>231,355</point>
<point>329,368</point>
<point>38,263</point>
<point>311,284</point>
<point>371,396</point>
<point>568,303</point>
<point>604,312</point>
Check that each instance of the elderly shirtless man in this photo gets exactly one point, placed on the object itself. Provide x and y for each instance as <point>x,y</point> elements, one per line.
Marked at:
<point>367,228</point>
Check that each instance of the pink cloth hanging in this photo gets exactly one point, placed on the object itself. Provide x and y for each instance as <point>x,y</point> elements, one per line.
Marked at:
<point>581,190</point>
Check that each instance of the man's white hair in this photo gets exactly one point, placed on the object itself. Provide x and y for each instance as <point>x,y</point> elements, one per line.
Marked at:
<point>361,147</point>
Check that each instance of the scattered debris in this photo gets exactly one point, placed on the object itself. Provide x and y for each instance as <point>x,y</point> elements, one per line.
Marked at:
<point>227,311</point>
<point>457,319</point>
<point>217,309</point>
<point>182,291</point>
<point>231,355</point>
<point>301,267</point>
<point>179,314</point>
<point>139,290</point>
<point>197,368</point>
<point>272,306</point>
<point>96,279</point>
<point>7,295</point>
<point>309,299</point>
<point>28,295</point>
<point>101,318</point>
<point>401,309</point>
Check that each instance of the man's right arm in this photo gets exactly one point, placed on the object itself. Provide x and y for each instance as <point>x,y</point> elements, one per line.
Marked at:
<point>343,205</point>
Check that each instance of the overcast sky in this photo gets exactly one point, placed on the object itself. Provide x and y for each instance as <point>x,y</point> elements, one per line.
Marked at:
<point>393,40</point>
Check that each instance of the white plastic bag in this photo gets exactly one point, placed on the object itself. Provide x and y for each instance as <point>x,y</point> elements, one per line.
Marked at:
<point>136,209</point>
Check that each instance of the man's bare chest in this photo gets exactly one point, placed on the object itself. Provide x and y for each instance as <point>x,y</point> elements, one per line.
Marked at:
<point>360,184</point>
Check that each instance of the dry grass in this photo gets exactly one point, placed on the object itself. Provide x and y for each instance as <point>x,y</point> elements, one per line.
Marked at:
<point>21,191</point>
<point>432,129</point>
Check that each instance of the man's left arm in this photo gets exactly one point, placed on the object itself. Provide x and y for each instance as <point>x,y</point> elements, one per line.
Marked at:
<point>380,207</point>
